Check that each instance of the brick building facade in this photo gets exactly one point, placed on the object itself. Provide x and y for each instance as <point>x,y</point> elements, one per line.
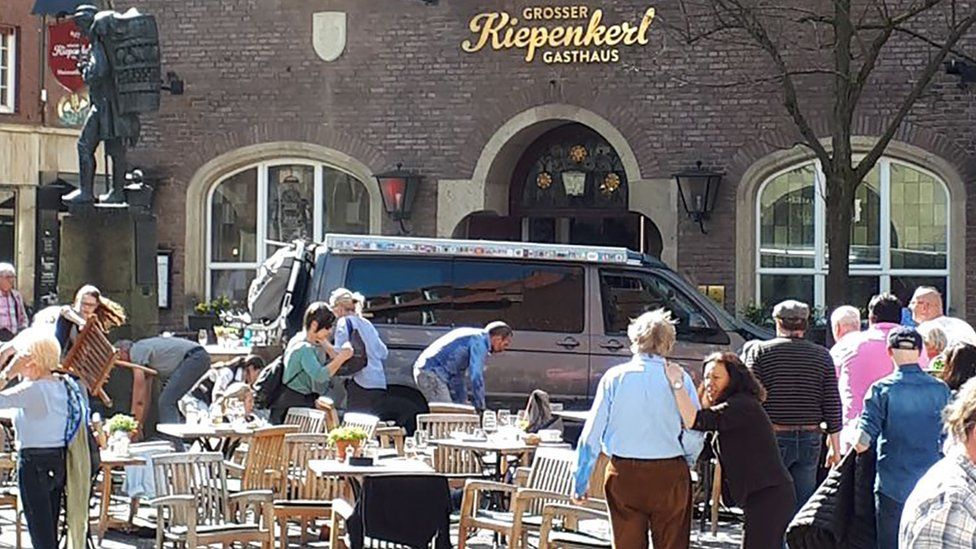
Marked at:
<point>264,112</point>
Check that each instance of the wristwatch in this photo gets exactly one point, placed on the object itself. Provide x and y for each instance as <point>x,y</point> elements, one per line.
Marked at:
<point>678,385</point>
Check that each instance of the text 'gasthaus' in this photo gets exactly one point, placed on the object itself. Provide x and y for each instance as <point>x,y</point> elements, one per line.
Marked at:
<point>588,41</point>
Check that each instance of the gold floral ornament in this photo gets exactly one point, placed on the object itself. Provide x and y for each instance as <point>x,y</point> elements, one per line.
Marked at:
<point>610,183</point>
<point>543,180</point>
<point>577,153</point>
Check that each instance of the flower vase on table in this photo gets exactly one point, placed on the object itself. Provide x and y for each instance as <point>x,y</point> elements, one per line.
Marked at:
<point>120,428</point>
<point>118,443</point>
<point>347,441</point>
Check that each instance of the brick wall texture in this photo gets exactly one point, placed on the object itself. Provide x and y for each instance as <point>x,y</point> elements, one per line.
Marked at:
<point>404,91</point>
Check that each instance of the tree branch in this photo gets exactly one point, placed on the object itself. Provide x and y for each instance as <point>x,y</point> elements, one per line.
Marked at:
<point>756,80</point>
<point>921,83</point>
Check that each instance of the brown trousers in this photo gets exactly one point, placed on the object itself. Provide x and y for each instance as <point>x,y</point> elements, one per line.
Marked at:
<point>649,493</point>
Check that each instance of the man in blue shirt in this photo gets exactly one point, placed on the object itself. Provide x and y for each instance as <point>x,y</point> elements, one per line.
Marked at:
<point>636,422</point>
<point>440,370</point>
<point>902,418</point>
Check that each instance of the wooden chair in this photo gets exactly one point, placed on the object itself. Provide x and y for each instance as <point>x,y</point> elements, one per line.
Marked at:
<point>391,436</point>
<point>455,463</point>
<point>569,536</point>
<point>305,496</point>
<point>92,358</point>
<point>450,408</point>
<point>195,509</point>
<point>264,463</point>
<point>9,493</point>
<point>550,480</point>
<point>366,422</point>
<point>331,415</point>
<point>308,420</point>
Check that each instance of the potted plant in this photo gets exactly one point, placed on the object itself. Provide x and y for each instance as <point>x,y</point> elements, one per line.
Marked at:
<point>120,429</point>
<point>207,315</point>
<point>345,439</point>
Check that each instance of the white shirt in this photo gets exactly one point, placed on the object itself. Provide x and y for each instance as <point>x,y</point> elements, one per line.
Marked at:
<point>955,329</point>
<point>42,412</point>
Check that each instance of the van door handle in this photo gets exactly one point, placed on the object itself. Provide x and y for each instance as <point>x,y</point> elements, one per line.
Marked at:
<point>613,345</point>
<point>569,343</point>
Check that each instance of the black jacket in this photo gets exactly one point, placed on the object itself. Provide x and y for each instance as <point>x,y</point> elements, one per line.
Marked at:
<point>405,509</point>
<point>840,514</point>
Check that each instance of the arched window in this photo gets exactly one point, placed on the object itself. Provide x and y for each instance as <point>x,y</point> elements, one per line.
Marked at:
<point>899,239</point>
<point>277,201</point>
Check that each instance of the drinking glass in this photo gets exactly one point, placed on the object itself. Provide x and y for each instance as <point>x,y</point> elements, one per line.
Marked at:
<point>504,418</point>
<point>489,422</point>
<point>372,450</point>
<point>202,337</point>
<point>410,447</point>
<point>421,438</point>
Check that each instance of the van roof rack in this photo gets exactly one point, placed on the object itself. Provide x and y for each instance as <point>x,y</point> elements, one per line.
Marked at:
<point>482,248</point>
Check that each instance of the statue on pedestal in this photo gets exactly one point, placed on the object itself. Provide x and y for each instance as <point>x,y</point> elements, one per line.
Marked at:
<point>122,71</point>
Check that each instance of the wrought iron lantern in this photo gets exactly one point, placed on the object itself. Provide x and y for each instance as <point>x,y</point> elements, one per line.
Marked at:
<point>398,189</point>
<point>698,188</point>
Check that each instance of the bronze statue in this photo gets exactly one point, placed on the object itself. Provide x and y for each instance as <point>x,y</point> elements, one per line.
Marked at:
<point>122,72</point>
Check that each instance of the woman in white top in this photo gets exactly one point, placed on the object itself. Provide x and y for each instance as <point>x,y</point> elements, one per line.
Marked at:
<point>365,389</point>
<point>41,425</point>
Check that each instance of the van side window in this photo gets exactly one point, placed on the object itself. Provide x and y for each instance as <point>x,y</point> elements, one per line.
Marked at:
<point>414,292</point>
<point>529,297</point>
<point>628,294</point>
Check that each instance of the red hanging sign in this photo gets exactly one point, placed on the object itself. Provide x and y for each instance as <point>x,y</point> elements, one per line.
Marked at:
<point>66,45</point>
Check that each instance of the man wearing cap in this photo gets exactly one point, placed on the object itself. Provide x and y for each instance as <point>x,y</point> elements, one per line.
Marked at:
<point>441,369</point>
<point>801,387</point>
<point>902,418</point>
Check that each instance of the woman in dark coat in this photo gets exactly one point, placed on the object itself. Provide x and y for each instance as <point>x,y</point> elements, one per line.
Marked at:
<point>746,446</point>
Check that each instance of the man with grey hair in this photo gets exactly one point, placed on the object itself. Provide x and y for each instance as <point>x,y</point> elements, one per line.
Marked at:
<point>801,386</point>
<point>13,314</point>
<point>178,362</point>
<point>845,319</point>
<point>928,311</point>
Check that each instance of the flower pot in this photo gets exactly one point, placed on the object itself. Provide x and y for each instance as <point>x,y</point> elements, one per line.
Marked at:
<point>118,443</point>
<point>344,447</point>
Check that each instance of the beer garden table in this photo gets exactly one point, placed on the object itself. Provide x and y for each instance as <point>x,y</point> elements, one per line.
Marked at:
<point>110,461</point>
<point>502,448</point>
<point>212,438</point>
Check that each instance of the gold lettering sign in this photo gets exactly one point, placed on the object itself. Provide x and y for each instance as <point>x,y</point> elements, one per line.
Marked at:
<point>588,40</point>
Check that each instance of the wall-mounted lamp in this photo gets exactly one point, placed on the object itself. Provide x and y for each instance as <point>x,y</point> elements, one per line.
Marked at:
<point>698,188</point>
<point>398,189</point>
<point>965,70</point>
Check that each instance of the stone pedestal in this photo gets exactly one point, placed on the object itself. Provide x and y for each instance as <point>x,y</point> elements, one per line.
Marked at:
<point>114,249</point>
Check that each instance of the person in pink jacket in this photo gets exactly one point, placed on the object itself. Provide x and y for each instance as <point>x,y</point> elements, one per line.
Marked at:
<point>862,358</point>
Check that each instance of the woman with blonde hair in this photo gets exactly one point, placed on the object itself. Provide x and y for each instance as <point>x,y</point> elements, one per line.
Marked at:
<point>89,302</point>
<point>636,421</point>
<point>366,388</point>
<point>50,410</point>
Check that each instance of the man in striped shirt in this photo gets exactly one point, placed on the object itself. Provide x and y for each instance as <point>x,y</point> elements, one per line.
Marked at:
<point>13,315</point>
<point>802,394</point>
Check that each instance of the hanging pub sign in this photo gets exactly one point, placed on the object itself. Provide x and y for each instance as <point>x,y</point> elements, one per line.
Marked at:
<point>66,45</point>
<point>557,34</point>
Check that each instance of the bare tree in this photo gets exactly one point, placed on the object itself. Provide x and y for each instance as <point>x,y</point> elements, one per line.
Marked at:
<point>842,41</point>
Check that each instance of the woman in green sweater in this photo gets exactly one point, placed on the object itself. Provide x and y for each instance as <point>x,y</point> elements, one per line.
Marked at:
<point>308,369</point>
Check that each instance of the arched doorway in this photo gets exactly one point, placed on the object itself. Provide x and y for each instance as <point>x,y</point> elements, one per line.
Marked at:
<point>569,187</point>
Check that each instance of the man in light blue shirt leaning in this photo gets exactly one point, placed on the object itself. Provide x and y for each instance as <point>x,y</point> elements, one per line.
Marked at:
<point>441,369</point>
<point>636,422</point>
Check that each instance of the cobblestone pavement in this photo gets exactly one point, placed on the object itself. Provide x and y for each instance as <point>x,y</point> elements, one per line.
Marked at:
<point>728,536</point>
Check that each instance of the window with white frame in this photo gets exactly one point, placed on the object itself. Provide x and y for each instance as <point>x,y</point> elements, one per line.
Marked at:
<point>899,238</point>
<point>280,201</point>
<point>8,69</point>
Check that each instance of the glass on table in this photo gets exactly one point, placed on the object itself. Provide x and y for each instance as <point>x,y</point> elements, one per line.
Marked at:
<point>202,337</point>
<point>421,439</point>
<point>489,421</point>
<point>410,447</point>
<point>504,418</point>
<point>372,450</point>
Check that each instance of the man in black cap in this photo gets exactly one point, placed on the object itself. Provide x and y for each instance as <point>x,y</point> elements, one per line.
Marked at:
<point>902,418</point>
<point>801,394</point>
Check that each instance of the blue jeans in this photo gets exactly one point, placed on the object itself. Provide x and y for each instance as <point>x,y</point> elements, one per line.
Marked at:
<point>888,517</point>
<point>800,452</point>
<point>194,365</point>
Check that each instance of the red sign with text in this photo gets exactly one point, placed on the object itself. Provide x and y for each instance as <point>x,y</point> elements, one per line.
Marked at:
<point>66,45</point>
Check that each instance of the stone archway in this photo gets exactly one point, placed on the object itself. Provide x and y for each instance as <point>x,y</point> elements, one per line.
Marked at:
<point>488,187</point>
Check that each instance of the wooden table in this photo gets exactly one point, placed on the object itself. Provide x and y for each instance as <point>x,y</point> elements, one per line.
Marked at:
<point>503,449</point>
<point>336,468</point>
<point>112,461</point>
<point>212,438</point>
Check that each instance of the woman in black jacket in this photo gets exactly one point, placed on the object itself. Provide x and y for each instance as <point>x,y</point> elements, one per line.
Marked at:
<point>746,446</point>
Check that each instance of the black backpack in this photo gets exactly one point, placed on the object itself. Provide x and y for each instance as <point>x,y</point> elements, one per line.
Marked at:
<point>269,383</point>
<point>358,360</point>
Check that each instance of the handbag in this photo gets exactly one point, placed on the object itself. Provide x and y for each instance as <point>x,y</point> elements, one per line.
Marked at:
<point>358,360</point>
